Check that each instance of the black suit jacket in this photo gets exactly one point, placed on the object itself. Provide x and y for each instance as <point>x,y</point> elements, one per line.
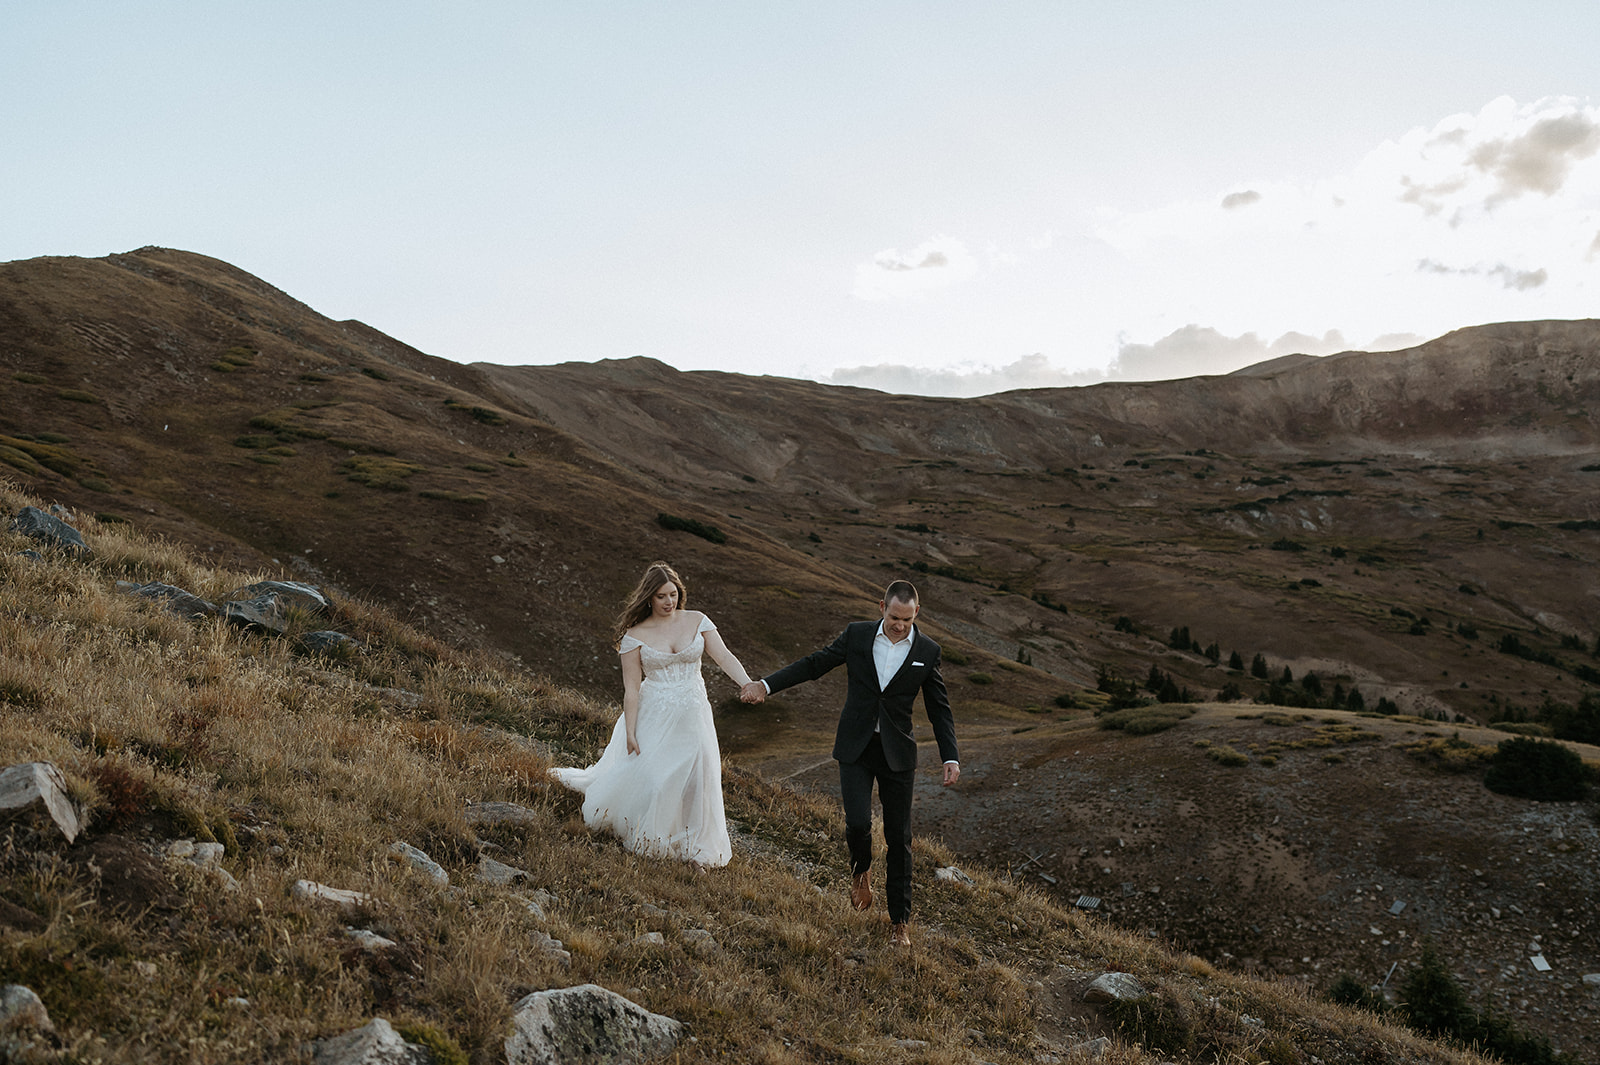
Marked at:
<point>889,710</point>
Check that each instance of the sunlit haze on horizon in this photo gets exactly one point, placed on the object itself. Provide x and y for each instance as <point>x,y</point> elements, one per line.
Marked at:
<point>935,198</point>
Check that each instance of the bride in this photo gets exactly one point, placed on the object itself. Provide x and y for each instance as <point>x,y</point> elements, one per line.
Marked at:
<point>658,783</point>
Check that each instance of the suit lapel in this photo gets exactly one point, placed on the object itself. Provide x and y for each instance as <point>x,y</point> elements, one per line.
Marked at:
<point>911,657</point>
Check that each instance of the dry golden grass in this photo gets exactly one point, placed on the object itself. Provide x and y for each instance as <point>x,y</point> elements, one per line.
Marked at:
<point>311,768</point>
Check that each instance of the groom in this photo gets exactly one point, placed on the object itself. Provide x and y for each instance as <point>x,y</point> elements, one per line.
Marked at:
<point>888,663</point>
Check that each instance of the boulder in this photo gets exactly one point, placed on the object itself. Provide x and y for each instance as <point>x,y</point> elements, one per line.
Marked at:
<point>493,872</point>
<point>586,1023</point>
<point>370,941</point>
<point>182,603</point>
<point>329,642</point>
<point>51,531</point>
<point>37,789</point>
<point>373,1044</point>
<point>419,861</point>
<point>341,897</point>
<point>1114,987</point>
<point>20,1009</point>
<point>266,605</point>
<point>499,813</point>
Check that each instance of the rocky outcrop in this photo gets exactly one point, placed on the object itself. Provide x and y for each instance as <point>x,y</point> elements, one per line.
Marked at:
<point>268,605</point>
<point>1114,987</point>
<point>51,531</point>
<point>376,1043</point>
<point>178,601</point>
<point>36,789</point>
<point>587,1023</point>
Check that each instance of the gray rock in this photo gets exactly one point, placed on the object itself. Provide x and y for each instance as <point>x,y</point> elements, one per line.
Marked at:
<point>1094,1049</point>
<point>700,941</point>
<point>586,1023</point>
<point>493,872</point>
<point>267,605</point>
<point>950,872</point>
<point>420,861</point>
<point>1114,987</point>
<point>552,948</point>
<point>37,789</point>
<point>21,1009</point>
<point>373,1044</point>
<point>1591,978</point>
<point>369,941</point>
<point>51,531</point>
<point>341,897</point>
<point>329,642</point>
<point>179,602</point>
<point>650,939</point>
<point>31,555</point>
<point>499,813</point>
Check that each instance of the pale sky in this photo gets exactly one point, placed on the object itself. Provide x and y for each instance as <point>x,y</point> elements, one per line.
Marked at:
<point>936,197</point>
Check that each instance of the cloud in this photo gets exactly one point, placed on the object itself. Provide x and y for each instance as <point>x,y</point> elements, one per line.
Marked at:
<point>1539,159</point>
<point>932,265</point>
<point>1192,351</point>
<point>1030,371</point>
<point>1198,350</point>
<point>1240,199</point>
<point>1508,276</point>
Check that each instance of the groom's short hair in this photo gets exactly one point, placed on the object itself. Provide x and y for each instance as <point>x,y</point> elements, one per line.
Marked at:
<point>901,592</point>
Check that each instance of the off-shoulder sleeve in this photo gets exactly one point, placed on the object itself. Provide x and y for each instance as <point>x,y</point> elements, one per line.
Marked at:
<point>628,643</point>
<point>706,624</point>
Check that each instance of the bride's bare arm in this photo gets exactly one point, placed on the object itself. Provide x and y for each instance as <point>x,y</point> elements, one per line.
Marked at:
<point>632,677</point>
<point>724,658</point>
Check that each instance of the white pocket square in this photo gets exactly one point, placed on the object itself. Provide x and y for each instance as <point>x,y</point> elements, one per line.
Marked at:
<point>916,663</point>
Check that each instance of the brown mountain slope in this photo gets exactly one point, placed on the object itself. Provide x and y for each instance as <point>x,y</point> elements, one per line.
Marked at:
<point>1382,520</point>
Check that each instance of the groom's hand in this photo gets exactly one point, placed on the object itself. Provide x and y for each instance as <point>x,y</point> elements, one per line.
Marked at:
<point>754,692</point>
<point>952,773</point>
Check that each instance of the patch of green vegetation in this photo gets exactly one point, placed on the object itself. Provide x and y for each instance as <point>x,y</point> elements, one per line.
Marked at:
<point>690,525</point>
<point>282,449</point>
<point>479,467</point>
<point>30,378</point>
<point>254,442</point>
<point>94,484</point>
<point>954,657</point>
<point>511,460</point>
<point>980,679</point>
<point>19,459</point>
<point>106,517</point>
<point>1453,755</point>
<point>453,497</point>
<point>1222,754</point>
<point>1542,770</point>
<point>1145,720</point>
<point>444,1050</point>
<point>1333,758</point>
<point>266,458</point>
<point>388,474</point>
<point>360,447</point>
<point>486,415</point>
<point>77,395</point>
<point>235,359</point>
<point>375,373</point>
<point>283,422</point>
<point>315,378</point>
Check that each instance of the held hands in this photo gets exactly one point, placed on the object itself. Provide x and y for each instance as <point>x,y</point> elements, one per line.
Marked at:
<point>754,692</point>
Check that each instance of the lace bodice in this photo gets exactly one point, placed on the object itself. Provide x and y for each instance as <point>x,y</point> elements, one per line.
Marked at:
<point>667,667</point>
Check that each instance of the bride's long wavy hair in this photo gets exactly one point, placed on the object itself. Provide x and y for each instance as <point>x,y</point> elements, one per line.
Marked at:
<point>638,603</point>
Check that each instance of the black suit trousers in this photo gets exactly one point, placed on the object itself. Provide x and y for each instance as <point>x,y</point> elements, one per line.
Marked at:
<point>894,794</point>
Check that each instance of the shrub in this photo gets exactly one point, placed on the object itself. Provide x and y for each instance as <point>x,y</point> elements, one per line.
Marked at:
<point>1225,755</point>
<point>1542,770</point>
<point>31,378</point>
<point>1066,701</point>
<point>954,657</point>
<point>980,678</point>
<point>690,525</point>
<point>1145,720</point>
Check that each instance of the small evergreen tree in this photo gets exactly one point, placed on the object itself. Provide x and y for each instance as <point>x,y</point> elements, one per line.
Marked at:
<point>1433,1001</point>
<point>1537,769</point>
<point>1312,685</point>
<point>1214,653</point>
<point>1287,678</point>
<point>1258,667</point>
<point>1236,662</point>
<point>1179,640</point>
<point>1355,702</point>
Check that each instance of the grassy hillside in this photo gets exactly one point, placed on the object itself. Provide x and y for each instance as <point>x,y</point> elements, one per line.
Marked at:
<point>311,768</point>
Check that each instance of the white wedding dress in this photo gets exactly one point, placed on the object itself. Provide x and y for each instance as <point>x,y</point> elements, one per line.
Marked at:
<point>665,801</point>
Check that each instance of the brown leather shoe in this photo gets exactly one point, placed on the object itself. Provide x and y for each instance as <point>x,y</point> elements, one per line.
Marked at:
<point>900,935</point>
<point>861,892</point>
